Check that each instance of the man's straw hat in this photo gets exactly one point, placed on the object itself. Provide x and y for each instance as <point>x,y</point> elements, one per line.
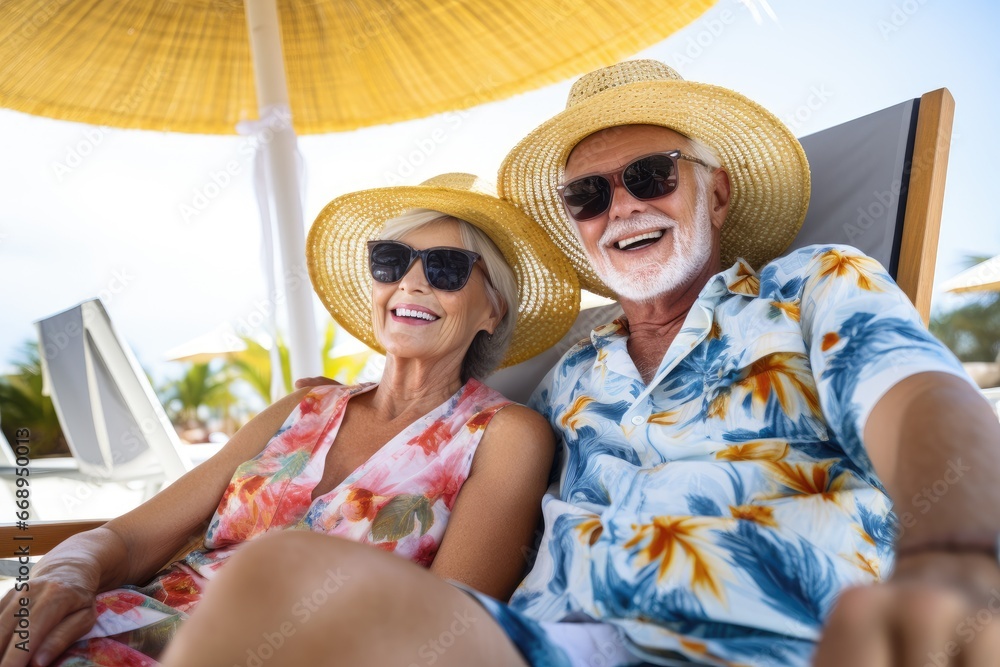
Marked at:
<point>337,256</point>
<point>766,164</point>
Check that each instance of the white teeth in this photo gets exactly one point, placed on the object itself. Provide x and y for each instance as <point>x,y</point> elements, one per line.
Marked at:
<point>419,314</point>
<point>624,243</point>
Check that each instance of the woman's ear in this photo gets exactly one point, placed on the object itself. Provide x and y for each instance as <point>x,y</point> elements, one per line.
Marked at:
<point>498,314</point>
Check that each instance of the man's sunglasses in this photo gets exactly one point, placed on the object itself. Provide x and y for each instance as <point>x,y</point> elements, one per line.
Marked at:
<point>646,178</point>
<point>446,269</point>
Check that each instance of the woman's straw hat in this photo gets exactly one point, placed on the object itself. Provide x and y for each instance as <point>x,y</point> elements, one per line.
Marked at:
<point>766,164</point>
<point>337,256</point>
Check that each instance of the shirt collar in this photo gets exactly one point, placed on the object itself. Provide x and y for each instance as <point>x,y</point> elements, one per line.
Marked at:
<point>739,280</point>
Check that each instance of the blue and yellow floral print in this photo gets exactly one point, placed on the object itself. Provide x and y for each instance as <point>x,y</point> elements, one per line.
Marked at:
<point>718,511</point>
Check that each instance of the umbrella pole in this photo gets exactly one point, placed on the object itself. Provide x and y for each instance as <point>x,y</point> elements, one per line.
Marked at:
<point>283,179</point>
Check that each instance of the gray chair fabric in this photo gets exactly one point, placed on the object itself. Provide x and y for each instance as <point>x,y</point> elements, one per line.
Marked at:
<point>860,171</point>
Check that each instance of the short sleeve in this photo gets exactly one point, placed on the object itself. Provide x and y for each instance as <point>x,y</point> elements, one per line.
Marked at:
<point>863,336</point>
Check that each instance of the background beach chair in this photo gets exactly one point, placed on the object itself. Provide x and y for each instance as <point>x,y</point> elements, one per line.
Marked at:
<point>896,158</point>
<point>115,426</point>
<point>56,466</point>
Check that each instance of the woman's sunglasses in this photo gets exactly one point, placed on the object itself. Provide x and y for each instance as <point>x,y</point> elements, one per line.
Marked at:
<point>446,269</point>
<point>648,177</point>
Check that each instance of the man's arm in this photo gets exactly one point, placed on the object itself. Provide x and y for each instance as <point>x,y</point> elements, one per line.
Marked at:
<point>935,444</point>
<point>902,409</point>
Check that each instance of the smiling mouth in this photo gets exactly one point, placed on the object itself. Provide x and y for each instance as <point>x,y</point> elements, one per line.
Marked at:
<point>640,240</point>
<point>415,314</point>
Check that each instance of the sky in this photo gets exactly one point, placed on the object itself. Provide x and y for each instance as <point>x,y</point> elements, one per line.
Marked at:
<point>96,211</point>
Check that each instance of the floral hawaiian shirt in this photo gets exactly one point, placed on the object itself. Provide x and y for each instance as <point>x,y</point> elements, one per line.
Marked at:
<point>714,514</point>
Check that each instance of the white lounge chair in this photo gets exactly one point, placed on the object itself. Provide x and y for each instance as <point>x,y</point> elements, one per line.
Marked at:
<point>114,424</point>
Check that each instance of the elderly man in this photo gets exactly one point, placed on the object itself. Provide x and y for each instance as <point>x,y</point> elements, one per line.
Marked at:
<point>729,447</point>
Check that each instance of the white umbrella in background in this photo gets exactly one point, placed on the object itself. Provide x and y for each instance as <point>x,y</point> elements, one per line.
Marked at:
<point>220,342</point>
<point>983,277</point>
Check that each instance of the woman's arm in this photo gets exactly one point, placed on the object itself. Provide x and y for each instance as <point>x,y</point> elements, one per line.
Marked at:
<point>496,514</point>
<point>159,527</point>
<point>128,549</point>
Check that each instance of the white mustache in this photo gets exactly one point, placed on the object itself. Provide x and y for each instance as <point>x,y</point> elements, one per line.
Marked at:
<point>640,222</point>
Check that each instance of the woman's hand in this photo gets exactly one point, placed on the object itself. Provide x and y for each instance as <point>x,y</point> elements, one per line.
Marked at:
<point>61,609</point>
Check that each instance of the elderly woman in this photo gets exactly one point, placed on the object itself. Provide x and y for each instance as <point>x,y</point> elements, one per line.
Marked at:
<point>429,464</point>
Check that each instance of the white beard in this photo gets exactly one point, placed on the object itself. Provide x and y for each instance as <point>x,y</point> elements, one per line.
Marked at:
<point>645,282</point>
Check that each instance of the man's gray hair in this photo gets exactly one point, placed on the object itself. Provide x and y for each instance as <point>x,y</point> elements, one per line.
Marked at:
<point>486,352</point>
<point>699,150</point>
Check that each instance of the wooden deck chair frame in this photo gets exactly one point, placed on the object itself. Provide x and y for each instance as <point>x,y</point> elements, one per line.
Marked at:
<point>914,275</point>
<point>924,202</point>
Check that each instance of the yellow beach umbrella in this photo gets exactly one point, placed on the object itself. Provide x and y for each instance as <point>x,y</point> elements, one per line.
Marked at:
<point>185,65</point>
<point>309,66</point>
<point>983,277</point>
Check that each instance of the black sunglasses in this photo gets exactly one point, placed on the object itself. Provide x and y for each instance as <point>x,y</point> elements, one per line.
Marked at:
<point>648,177</point>
<point>446,269</point>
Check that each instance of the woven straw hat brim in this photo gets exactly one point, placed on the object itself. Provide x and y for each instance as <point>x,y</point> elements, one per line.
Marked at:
<point>767,166</point>
<point>337,257</point>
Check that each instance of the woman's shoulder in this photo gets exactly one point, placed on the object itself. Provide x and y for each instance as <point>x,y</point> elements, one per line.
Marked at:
<point>517,439</point>
<point>516,416</point>
<point>519,427</point>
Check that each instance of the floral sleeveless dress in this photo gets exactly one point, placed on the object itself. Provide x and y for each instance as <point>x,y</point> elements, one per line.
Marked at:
<point>399,500</point>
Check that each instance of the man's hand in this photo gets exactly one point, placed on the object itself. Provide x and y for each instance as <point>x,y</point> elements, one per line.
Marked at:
<point>938,608</point>
<point>313,382</point>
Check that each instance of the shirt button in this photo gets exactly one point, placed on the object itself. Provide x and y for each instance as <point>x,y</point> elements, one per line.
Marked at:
<point>638,420</point>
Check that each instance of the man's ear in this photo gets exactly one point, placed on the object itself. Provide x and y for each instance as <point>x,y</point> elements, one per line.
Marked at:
<point>721,191</point>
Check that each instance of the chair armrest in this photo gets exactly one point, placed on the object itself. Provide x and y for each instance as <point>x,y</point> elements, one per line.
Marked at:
<point>41,536</point>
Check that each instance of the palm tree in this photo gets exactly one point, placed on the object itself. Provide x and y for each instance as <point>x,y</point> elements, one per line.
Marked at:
<point>199,386</point>
<point>972,331</point>
<point>23,406</point>
<point>253,365</point>
<point>345,368</point>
